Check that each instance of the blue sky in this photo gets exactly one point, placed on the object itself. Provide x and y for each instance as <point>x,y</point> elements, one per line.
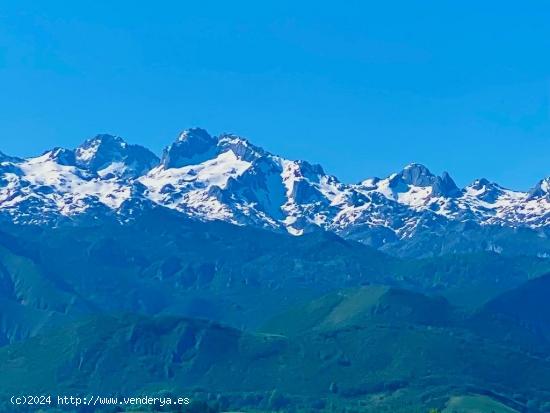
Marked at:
<point>360,87</point>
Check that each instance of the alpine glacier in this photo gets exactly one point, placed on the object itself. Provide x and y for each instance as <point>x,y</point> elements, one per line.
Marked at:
<point>228,178</point>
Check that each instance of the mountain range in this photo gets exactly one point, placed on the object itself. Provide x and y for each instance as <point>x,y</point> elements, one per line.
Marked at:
<point>250,282</point>
<point>230,179</point>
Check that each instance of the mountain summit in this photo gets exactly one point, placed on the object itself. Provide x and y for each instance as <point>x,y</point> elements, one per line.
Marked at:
<point>541,189</point>
<point>418,175</point>
<point>192,146</point>
<point>114,157</point>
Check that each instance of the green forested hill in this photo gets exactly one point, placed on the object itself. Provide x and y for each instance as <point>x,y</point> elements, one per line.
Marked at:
<point>389,353</point>
<point>161,264</point>
<point>313,322</point>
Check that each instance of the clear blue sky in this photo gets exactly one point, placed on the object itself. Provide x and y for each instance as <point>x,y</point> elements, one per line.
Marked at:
<point>360,87</point>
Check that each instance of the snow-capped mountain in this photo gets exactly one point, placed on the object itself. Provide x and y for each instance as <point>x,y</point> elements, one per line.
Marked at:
<point>110,156</point>
<point>228,178</point>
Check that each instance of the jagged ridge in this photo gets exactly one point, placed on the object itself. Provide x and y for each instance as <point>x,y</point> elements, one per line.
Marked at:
<point>228,178</point>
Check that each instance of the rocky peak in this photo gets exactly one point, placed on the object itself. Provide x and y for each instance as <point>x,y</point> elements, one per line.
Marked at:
<point>114,156</point>
<point>240,146</point>
<point>541,189</point>
<point>62,156</point>
<point>192,146</point>
<point>485,190</point>
<point>418,175</point>
<point>444,185</point>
